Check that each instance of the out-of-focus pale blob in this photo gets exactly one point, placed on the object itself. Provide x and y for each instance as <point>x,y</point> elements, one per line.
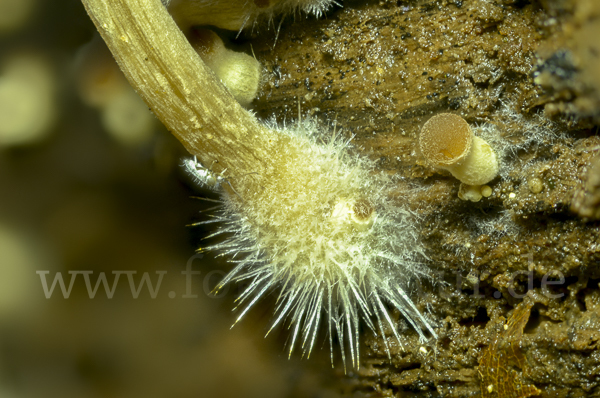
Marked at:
<point>27,100</point>
<point>14,14</point>
<point>128,119</point>
<point>101,85</point>
<point>19,258</point>
<point>98,77</point>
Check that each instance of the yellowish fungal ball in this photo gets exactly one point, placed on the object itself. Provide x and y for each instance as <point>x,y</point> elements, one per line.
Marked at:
<point>447,142</point>
<point>535,185</point>
<point>239,72</point>
<point>470,192</point>
<point>486,191</point>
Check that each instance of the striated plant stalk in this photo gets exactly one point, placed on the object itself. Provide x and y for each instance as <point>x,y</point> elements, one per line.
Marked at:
<point>180,89</point>
<point>302,215</point>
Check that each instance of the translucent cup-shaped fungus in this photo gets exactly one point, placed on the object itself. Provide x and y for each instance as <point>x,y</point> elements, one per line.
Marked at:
<point>447,142</point>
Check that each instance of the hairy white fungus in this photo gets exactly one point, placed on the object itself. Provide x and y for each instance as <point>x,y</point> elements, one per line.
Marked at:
<point>327,236</point>
<point>238,14</point>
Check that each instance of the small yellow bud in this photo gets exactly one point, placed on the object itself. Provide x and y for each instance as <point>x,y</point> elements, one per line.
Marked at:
<point>239,72</point>
<point>486,191</point>
<point>535,185</point>
<point>470,192</point>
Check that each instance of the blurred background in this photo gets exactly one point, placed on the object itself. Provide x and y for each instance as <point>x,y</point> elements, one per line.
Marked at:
<point>91,183</point>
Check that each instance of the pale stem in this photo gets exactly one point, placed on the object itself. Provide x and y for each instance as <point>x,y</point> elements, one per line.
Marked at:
<point>180,89</point>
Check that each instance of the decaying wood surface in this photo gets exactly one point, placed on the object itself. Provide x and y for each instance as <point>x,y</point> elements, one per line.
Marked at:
<point>380,69</point>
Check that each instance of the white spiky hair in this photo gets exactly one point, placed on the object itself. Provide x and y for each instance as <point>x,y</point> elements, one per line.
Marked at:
<point>294,239</point>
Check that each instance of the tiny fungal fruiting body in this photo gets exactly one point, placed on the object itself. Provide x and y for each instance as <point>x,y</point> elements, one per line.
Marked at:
<point>447,142</point>
<point>239,72</point>
<point>238,14</point>
<point>327,236</point>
